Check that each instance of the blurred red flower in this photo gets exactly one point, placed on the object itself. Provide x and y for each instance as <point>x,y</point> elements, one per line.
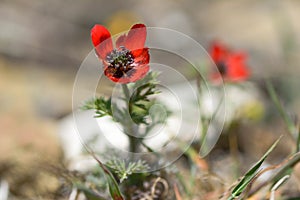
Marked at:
<point>231,65</point>
<point>128,61</point>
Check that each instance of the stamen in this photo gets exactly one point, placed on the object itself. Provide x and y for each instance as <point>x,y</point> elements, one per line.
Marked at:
<point>120,62</point>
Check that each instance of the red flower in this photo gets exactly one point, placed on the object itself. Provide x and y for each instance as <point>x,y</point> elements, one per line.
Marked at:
<point>231,65</point>
<point>128,61</point>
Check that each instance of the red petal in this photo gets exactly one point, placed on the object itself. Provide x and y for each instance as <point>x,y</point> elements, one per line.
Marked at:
<point>102,40</point>
<point>140,73</point>
<point>136,37</point>
<point>218,52</point>
<point>121,41</point>
<point>237,69</point>
<point>110,76</point>
<point>141,56</point>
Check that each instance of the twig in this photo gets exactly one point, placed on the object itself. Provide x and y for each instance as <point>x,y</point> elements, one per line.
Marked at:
<point>74,194</point>
<point>165,185</point>
<point>4,190</point>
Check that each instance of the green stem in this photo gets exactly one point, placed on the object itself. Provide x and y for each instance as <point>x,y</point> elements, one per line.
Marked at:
<point>134,144</point>
<point>298,141</point>
<point>293,128</point>
<point>276,101</point>
<point>129,125</point>
<point>126,91</point>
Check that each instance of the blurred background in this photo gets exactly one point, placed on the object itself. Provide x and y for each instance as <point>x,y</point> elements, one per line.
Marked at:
<point>42,44</point>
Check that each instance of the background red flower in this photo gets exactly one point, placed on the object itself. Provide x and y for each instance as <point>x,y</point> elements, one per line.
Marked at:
<point>231,65</point>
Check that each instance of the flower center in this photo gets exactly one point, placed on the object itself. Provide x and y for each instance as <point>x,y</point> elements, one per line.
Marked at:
<point>120,62</point>
<point>222,68</point>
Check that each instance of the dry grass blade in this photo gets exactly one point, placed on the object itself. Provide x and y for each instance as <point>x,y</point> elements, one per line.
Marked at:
<point>277,185</point>
<point>289,162</point>
<point>177,193</point>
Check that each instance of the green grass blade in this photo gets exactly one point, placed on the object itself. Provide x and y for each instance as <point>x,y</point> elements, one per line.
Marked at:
<point>248,177</point>
<point>288,121</point>
<point>89,194</point>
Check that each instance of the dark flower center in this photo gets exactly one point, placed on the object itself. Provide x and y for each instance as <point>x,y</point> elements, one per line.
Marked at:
<point>222,68</point>
<point>120,62</point>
